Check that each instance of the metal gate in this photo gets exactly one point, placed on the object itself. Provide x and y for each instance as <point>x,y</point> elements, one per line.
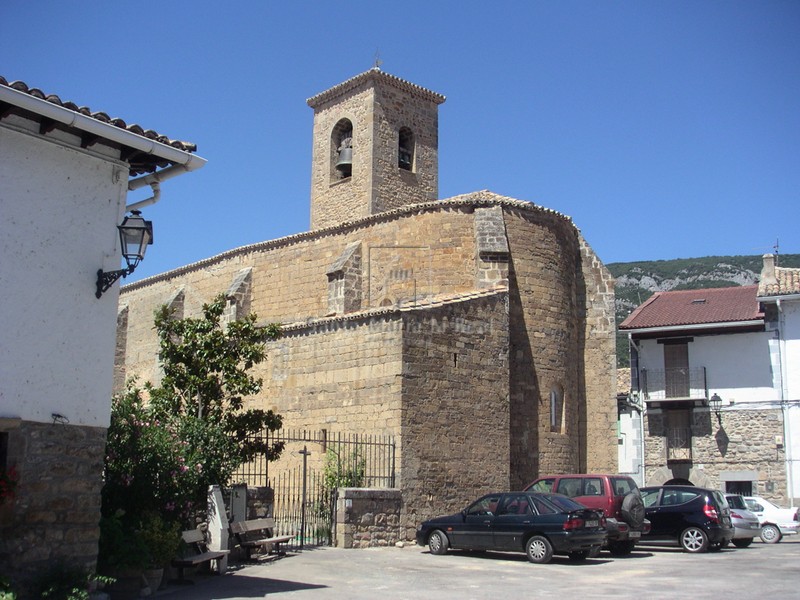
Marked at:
<point>310,469</point>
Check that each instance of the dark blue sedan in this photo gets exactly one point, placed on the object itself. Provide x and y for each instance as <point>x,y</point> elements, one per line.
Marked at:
<point>538,524</point>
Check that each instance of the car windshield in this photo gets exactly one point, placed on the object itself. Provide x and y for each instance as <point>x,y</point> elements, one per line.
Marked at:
<point>563,503</point>
<point>736,502</point>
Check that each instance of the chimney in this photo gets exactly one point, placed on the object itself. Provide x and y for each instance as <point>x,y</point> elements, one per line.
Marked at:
<point>768,270</point>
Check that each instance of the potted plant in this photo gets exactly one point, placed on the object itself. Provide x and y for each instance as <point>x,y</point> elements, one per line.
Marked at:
<point>123,555</point>
<point>162,540</point>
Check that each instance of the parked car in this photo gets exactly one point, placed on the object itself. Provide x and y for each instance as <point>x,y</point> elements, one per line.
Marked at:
<point>775,521</point>
<point>616,495</point>
<point>540,525</point>
<point>696,518</point>
<point>745,523</point>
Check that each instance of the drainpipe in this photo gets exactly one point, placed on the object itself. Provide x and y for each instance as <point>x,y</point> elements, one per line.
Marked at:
<point>787,427</point>
<point>156,187</point>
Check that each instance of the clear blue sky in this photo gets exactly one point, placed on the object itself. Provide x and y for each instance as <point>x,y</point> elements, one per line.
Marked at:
<point>664,129</point>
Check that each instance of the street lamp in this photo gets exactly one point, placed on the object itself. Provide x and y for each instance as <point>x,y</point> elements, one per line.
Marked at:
<point>715,404</point>
<point>135,234</point>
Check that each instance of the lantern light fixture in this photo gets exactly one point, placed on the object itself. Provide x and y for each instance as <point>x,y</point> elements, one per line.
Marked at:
<point>715,404</point>
<point>135,234</point>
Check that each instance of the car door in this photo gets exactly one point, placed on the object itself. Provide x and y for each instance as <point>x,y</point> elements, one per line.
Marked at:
<point>651,498</point>
<point>514,517</point>
<point>476,531</point>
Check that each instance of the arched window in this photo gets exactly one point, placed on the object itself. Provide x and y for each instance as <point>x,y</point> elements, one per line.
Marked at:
<point>342,150</point>
<point>405,149</point>
<point>557,409</point>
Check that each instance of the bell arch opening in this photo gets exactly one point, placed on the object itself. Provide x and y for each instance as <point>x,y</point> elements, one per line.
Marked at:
<point>342,150</point>
<point>405,149</point>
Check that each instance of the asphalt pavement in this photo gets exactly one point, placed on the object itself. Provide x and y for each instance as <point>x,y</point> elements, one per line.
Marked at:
<point>759,571</point>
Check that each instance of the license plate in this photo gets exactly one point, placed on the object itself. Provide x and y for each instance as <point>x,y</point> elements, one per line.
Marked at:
<point>635,534</point>
<point>592,523</point>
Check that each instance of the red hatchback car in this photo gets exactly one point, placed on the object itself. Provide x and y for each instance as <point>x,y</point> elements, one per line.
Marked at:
<point>616,495</point>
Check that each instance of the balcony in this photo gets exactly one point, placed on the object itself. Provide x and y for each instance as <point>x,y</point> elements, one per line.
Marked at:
<point>674,385</point>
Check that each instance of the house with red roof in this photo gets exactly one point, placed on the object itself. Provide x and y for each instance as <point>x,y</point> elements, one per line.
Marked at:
<point>713,377</point>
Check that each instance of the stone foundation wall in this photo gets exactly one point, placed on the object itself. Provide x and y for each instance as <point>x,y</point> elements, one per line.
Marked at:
<point>744,441</point>
<point>56,513</point>
<point>368,517</point>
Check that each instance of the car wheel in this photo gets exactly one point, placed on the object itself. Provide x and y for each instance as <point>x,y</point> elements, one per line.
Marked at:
<point>438,542</point>
<point>694,539</point>
<point>578,555</point>
<point>539,550</point>
<point>742,542</point>
<point>621,548</point>
<point>770,534</point>
<point>632,510</point>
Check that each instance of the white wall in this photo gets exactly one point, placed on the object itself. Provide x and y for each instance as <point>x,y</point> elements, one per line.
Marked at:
<point>737,365</point>
<point>59,207</point>
<point>790,356</point>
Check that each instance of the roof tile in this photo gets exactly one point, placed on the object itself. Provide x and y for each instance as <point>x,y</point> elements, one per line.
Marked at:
<point>696,307</point>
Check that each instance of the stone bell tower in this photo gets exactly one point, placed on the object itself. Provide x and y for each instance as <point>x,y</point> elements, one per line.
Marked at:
<point>375,148</point>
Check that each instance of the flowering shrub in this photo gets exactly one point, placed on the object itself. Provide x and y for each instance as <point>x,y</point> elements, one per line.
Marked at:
<point>162,455</point>
<point>8,484</point>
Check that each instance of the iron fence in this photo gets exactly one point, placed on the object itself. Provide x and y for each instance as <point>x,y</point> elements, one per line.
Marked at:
<point>312,465</point>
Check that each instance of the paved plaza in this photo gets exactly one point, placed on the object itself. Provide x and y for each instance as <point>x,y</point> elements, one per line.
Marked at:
<point>761,571</point>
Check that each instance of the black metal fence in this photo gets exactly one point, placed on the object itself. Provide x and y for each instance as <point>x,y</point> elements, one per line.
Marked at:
<point>310,469</point>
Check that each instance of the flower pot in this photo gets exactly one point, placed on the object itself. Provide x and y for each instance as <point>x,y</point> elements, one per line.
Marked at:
<point>154,578</point>
<point>128,584</point>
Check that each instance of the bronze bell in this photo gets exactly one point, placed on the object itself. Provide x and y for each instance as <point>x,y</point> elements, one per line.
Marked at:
<point>345,162</point>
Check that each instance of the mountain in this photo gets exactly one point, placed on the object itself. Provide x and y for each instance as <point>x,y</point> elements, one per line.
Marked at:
<point>637,281</point>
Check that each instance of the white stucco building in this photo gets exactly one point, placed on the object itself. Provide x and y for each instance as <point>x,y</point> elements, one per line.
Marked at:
<point>715,374</point>
<point>64,177</point>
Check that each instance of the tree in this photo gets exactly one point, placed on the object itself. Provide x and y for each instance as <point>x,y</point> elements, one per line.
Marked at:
<point>206,377</point>
<point>194,431</point>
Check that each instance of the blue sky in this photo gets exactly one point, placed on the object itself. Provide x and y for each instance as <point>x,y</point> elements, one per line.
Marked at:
<point>664,129</point>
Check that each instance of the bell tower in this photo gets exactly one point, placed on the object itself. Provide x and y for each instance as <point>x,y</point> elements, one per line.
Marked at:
<point>375,148</point>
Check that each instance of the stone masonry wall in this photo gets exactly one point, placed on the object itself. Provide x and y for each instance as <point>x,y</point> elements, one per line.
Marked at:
<point>57,506</point>
<point>403,255</point>
<point>377,109</point>
<point>392,186</point>
<point>456,418</point>
<point>368,518</point>
<point>545,346</point>
<point>744,441</point>
<point>336,200</point>
<point>598,415</point>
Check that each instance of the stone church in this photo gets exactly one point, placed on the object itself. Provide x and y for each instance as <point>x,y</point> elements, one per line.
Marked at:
<point>477,330</point>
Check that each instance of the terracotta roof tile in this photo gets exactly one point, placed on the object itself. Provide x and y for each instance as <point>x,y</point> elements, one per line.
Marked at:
<point>374,73</point>
<point>696,307</point>
<point>787,281</point>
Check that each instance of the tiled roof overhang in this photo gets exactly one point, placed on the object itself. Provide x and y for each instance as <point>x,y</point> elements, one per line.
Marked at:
<point>144,150</point>
<point>374,74</point>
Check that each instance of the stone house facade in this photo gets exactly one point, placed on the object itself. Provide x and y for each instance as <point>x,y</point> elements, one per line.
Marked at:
<point>477,330</point>
<point>711,373</point>
<point>65,173</point>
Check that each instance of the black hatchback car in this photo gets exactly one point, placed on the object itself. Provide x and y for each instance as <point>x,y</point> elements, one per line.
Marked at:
<point>698,519</point>
<point>538,524</point>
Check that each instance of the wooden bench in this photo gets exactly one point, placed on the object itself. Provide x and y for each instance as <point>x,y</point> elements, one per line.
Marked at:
<point>199,554</point>
<point>257,533</point>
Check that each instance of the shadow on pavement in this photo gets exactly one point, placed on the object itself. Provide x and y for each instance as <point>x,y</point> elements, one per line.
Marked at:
<point>228,586</point>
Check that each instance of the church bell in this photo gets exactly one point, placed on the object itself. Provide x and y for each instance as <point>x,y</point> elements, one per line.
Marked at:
<point>345,162</point>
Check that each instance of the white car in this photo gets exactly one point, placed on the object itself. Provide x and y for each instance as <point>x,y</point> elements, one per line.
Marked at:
<point>775,521</point>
